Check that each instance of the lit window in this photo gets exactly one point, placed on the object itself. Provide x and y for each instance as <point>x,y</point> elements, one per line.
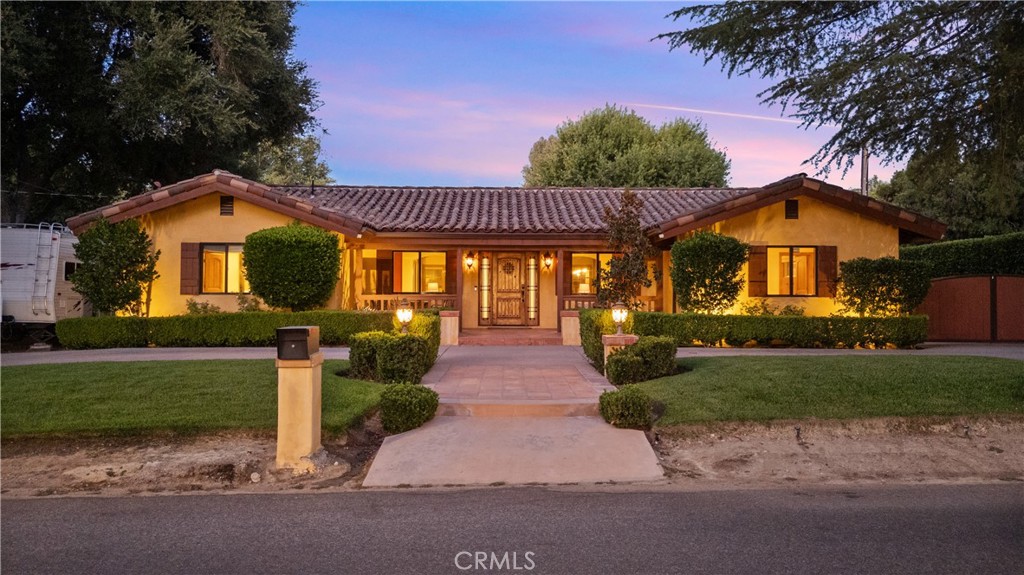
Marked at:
<point>223,269</point>
<point>433,272</point>
<point>792,271</point>
<point>420,272</point>
<point>584,274</point>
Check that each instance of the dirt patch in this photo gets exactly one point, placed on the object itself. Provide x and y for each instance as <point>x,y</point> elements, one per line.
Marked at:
<point>174,464</point>
<point>876,450</point>
<point>698,457</point>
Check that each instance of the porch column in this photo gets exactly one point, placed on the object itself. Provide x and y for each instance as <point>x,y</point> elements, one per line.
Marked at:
<point>560,285</point>
<point>458,285</point>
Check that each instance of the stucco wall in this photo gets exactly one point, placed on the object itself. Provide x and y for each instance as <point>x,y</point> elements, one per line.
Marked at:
<point>199,220</point>
<point>819,224</point>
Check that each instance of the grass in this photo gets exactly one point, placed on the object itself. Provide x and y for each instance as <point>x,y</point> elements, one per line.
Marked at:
<point>185,397</point>
<point>840,387</point>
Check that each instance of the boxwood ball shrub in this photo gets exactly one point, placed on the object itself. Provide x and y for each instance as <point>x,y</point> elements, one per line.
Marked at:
<point>406,406</point>
<point>294,266</point>
<point>629,407</point>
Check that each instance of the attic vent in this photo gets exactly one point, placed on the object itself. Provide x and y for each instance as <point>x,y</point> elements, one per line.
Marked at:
<point>792,209</point>
<point>227,206</point>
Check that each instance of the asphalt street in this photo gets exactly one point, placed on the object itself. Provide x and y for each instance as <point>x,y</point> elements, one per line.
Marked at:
<point>891,530</point>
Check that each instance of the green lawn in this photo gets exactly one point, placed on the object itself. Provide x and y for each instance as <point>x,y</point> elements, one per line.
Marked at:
<point>151,397</point>
<point>838,387</point>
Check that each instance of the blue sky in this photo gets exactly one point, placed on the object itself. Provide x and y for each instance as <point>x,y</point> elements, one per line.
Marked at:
<point>429,93</point>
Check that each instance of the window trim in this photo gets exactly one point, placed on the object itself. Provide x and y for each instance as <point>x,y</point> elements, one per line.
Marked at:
<point>419,258</point>
<point>814,276</point>
<point>598,277</point>
<point>202,268</point>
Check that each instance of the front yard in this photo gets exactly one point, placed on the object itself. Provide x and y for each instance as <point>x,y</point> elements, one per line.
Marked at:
<point>188,397</point>
<point>837,387</point>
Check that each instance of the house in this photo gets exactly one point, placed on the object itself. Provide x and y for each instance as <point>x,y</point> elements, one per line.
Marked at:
<point>506,256</point>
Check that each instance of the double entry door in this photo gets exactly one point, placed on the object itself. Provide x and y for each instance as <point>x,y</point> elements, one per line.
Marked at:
<point>514,279</point>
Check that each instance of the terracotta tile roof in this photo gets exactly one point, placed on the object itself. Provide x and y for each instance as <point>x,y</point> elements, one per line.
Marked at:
<point>498,210</point>
<point>354,210</point>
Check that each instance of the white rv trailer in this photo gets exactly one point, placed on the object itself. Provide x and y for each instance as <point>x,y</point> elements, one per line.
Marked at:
<point>36,262</point>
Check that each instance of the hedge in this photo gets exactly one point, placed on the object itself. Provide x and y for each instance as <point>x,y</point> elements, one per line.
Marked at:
<point>650,358</point>
<point>980,256</point>
<point>243,329</point>
<point>406,406</point>
<point>629,407</point>
<point>737,330</point>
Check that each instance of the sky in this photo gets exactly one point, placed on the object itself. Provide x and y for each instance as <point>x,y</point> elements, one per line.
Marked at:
<point>456,94</point>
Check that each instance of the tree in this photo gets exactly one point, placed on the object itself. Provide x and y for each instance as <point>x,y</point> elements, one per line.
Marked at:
<point>627,271</point>
<point>897,77</point>
<point>117,261</point>
<point>706,271</point>
<point>954,192</point>
<point>296,161</point>
<point>101,99</point>
<point>294,266</point>
<point>614,147</point>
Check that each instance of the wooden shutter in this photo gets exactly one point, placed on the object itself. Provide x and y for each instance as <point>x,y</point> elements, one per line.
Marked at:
<point>451,263</point>
<point>757,271</point>
<point>385,283</point>
<point>828,270</point>
<point>189,268</point>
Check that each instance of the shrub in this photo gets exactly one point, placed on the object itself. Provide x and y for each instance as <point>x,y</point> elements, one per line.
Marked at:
<point>629,407</point>
<point>103,332</point>
<point>221,329</point>
<point>980,256</point>
<point>406,406</point>
<point>117,260</point>
<point>248,303</point>
<point>650,358</point>
<point>593,324</point>
<point>882,287</point>
<point>402,358</point>
<point>362,354</point>
<point>426,323</point>
<point>293,266</point>
<point>193,307</point>
<point>789,331</point>
<point>706,271</point>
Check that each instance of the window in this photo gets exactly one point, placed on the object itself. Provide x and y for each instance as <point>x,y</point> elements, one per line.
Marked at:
<point>227,205</point>
<point>222,269</point>
<point>792,209</point>
<point>586,272</point>
<point>420,272</point>
<point>792,271</point>
<point>69,270</point>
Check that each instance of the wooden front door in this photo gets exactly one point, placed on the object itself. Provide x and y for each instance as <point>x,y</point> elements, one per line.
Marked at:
<point>509,289</point>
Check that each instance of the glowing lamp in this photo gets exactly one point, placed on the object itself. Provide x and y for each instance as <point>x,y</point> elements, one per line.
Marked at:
<point>404,314</point>
<point>619,314</point>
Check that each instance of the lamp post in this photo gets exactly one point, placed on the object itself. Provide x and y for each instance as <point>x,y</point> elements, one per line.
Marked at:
<point>404,314</point>
<point>619,314</point>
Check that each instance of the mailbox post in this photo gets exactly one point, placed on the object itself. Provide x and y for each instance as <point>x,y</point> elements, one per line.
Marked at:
<point>299,371</point>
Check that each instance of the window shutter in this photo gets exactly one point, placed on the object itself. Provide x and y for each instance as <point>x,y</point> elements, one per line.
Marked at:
<point>828,270</point>
<point>451,268</point>
<point>190,269</point>
<point>757,271</point>
<point>385,283</point>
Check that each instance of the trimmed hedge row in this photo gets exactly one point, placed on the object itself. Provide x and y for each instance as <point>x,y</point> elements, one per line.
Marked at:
<point>391,358</point>
<point>737,330</point>
<point>649,358</point>
<point>979,256</point>
<point>244,329</point>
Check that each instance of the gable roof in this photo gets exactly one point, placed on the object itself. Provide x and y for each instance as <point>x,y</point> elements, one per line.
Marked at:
<point>372,210</point>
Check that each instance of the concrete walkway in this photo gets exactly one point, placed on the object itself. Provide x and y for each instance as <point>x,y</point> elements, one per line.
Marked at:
<point>514,415</point>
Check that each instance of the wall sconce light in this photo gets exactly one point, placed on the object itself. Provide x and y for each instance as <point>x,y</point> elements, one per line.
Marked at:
<point>619,314</point>
<point>548,260</point>
<point>470,260</point>
<point>404,314</point>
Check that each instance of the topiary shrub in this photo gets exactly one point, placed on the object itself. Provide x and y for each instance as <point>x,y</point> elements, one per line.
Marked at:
<point>406,406</point>
<point>402,358</point>
<point>294,266</point>
<point>362,353</point>
<point>625,368</point>
<point>629,407</point>
<point>882,287</point>
<point>706,271</point>
<point>649,358</point>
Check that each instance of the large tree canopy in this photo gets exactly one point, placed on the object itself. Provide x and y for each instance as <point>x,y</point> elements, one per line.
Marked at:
<point>897,77</point>
<point>99,99</point>
<point>614,147</point>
